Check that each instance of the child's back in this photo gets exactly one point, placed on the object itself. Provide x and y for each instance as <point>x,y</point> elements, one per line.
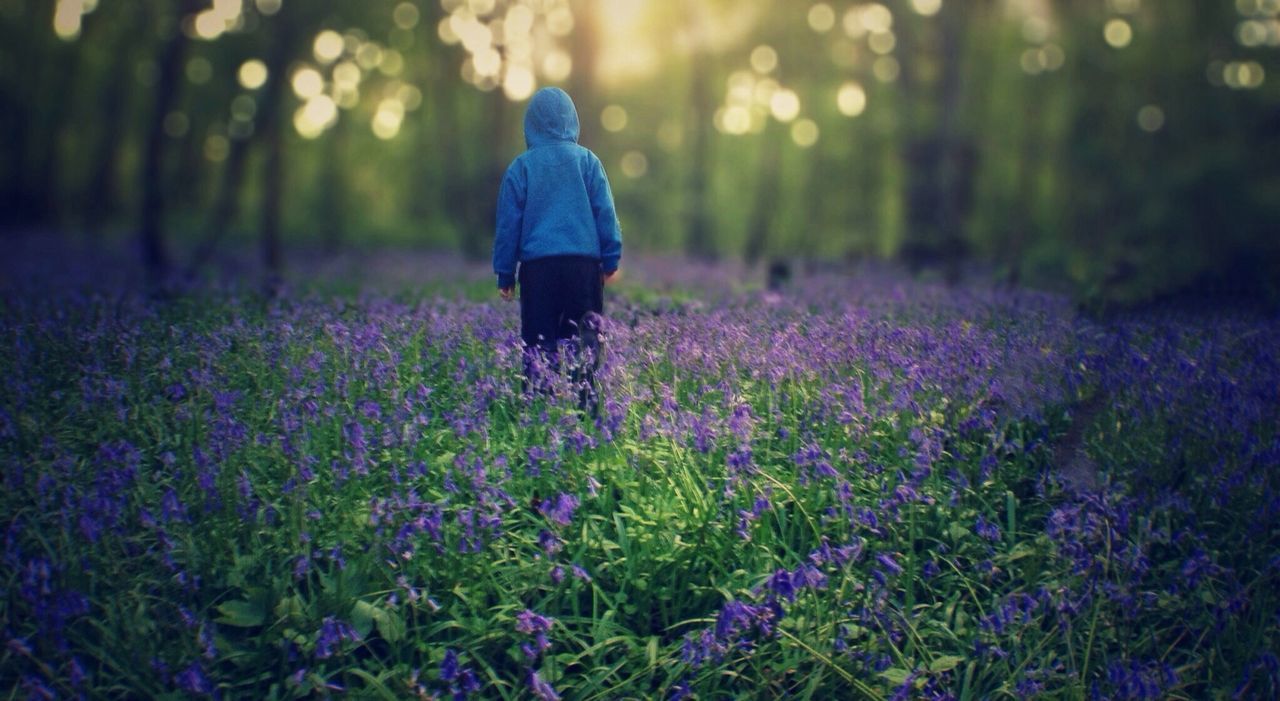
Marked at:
<point>555,198</point>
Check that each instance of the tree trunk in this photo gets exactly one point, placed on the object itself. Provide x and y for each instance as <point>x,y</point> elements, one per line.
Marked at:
<point>285,26</point>
<point>766,199</point>
<point>102,195</point>
<point>225,206</point>
<point>940,159</point>
<point>15,43</point>
<point>582,81</point>
<point>698,243</point>
<point>155,254</point>
<point>43,89</point>
<point>428,184</point>
<point>958,158</point>
<point>334,188</point>
<point>273,194</point>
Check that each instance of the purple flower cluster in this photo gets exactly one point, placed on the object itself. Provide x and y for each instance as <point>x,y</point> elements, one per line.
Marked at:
<point>739,625</point>
<point>314,450</point>
<point>333,632</point>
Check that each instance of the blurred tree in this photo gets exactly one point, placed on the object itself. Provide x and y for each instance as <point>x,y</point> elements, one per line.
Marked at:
<point>583,86</point>
<point>102,194</point>
<point>939,151</point>
<point>155,253</point>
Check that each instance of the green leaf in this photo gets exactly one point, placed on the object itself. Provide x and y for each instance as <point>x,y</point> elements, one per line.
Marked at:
<point>945,663</point>
<point>390,625</point>
<point>895,675</point>
<point>362,615</point>
<point>375,683</point>
<point>290,607</point>
<point>241,613</point>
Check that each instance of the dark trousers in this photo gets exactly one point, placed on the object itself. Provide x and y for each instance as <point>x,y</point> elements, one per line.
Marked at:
<point>561,300</point>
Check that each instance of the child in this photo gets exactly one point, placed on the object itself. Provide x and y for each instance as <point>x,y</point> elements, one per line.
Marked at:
<point>556,219</point>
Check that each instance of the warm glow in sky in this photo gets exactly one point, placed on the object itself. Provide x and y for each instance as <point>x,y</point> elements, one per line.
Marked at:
<point>627,51</point>
<point>636,37</point>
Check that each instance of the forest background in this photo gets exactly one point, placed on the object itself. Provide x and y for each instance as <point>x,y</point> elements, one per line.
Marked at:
<point>1118,149</point>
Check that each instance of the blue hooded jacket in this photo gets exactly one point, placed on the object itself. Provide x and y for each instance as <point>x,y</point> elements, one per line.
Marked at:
<point>555,198</point>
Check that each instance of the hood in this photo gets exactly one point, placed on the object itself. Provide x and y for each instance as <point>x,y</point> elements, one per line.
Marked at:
<point>550,118</point>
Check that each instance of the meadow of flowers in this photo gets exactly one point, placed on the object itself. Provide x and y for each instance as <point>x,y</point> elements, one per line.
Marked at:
<point>860,487</point>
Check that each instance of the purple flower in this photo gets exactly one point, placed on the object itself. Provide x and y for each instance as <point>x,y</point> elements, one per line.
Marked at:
<point>549,542</point>
<point>331,635</point>
<point>540,688</point>
<point>37,689</point>
<point>76,673</point>
<point>890,564</point>
<point>780,583</point>
<point>468,683</point>
<point>560,511</point>
<point>531,623</point>
<point>449,665</point>
<point>986,529</point>
<point>193,680</point>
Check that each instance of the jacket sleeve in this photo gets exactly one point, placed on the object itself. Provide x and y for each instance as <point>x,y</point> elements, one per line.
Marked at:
<point>509,223</point>
<point>607,227</point>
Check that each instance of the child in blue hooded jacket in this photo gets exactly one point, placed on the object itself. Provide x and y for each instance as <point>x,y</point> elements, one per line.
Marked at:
<point>556,222</point>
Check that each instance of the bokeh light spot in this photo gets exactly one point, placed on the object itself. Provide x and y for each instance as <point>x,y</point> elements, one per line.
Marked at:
<point>822,18</point>
<point>244,108</point>
<point>406,15</point>
<point>1118,33</point>
<point>268,7</point>
<point>882,42</point>
<point>926,8</point>
<point>805,133</point>
<point>1151,118</point>
<point>518,83</point>
<point>199,70</point>
<point>488,63</point>
<point>560,21</point>
<point>216,148</point>
<point>328,46</point>
<point>410,95</point>
<point>875,17</point>
<point>634,164</point>
<point>557,65</point>
<point>307,83</point>
<point>369,56</point>
<point>734,120</point>
<point>886,69</point>
<point>1244,75</point>
<point>68,17</point>
<point>519,20</point>
<point>347,75</point>
<point>392,63</point>
<point>764,59</point>
<point>388,119</point>
<point>614,118</point>
<point>851,99</point>
<point>252,74</point>
<point>785,105</point>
